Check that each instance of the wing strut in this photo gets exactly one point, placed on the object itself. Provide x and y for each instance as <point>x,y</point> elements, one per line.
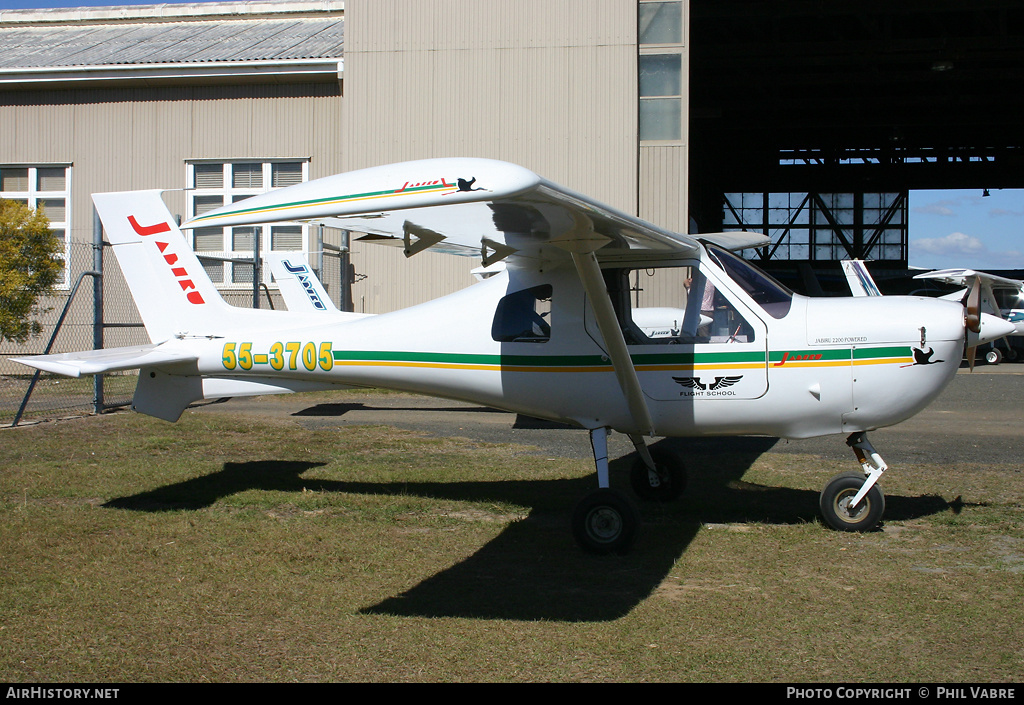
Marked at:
<point>593,283</point>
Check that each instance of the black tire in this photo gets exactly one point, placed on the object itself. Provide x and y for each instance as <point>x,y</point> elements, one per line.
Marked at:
<point>838,493</point>
<point>993,356</point>
<point>669,479</point>
<point>604,522</point>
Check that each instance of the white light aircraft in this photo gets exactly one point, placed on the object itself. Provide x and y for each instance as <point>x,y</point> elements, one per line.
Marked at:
<point>997,296</point>
<point>553,334</point>
<point>1000,296</point>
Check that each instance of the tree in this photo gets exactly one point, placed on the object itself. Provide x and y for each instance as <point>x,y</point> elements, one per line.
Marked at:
<point>30,265</point>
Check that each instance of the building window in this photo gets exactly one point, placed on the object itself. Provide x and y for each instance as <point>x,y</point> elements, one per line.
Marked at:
<point>46,187</point>
<point>661,78</point>
<point>660,22</point>
<point>229,251</point>
<point>661,100</point>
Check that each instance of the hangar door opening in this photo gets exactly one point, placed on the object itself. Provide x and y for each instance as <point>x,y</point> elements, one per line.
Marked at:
<point>822,226</point>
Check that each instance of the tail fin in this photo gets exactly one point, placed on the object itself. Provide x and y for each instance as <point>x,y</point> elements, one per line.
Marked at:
<point>860,280</point>
<point>171,289</point>
<point>299,286</point>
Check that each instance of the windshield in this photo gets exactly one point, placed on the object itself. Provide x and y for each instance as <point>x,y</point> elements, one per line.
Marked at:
<point>772,296</point>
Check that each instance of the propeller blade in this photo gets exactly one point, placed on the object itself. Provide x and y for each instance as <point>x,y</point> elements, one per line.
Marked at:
<point>971,350</point>
<point>973,316</point>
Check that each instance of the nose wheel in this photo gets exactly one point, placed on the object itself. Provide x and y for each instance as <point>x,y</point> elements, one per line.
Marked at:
<point>852,501</point>
<point>838,509</point>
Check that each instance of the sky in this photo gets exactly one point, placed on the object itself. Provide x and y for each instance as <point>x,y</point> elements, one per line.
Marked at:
<point>967,229</point>
<point>947,228</point>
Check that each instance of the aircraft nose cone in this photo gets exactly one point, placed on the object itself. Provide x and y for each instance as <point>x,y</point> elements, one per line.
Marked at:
<point>992,328</point>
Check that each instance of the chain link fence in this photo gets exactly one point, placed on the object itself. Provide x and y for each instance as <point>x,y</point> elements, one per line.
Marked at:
<point>55,396</point>
<point>106,316</point>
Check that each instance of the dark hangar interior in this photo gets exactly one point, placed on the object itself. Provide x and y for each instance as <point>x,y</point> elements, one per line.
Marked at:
<point>813,119</point>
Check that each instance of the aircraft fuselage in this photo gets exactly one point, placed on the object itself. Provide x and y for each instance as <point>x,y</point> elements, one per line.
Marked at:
<point>826,366</point>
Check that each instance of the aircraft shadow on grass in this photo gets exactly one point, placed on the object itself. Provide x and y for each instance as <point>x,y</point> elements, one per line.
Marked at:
<point>534,570</point>
<point>335,409</point>
<point>341,408</point>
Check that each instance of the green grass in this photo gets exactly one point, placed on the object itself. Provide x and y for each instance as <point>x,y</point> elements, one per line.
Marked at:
<point>225,548</point>
<point>55,396</point>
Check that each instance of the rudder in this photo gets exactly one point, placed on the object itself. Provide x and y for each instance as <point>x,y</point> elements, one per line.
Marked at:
<point>171,289</point>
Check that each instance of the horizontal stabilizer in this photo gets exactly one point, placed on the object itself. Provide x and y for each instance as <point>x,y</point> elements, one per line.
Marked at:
<point>94,362</point>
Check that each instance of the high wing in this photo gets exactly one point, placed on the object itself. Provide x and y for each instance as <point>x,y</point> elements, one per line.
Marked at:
<point>477,207</point>
<point>964,277</point>
<point>491,209</point>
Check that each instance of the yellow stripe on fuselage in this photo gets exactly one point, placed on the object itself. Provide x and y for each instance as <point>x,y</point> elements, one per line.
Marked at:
<point>886,361</point>
<point>294,206</point>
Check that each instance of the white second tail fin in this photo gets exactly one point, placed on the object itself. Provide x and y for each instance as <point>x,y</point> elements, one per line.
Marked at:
<point>172,291</point>
<point>298,284</point>
<point>860,280</point>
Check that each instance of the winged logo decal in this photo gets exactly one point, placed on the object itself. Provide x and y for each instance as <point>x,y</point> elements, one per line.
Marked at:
<point>723,382</point>
<point>691,382</point>
<point>705,388</point>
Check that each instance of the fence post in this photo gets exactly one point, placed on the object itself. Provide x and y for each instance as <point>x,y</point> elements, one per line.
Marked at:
<point>257,275</point>
<point>53,337</point>
<point>318,262</point>
<point>97,304</point>
<point>345,274</point>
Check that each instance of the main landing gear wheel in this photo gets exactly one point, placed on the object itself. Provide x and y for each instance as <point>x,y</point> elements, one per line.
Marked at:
<point>836,498</point>
<point>604,522</point>
<point>663,484</point>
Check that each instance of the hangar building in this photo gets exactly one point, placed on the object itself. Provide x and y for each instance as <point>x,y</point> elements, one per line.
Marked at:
<point>809,121</point>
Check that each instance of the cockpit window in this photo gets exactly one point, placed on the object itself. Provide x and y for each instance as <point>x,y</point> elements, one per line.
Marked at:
<point>772,296</point>
<point>1008,298</point>
<point>672,305</point>
<point>523,316</point>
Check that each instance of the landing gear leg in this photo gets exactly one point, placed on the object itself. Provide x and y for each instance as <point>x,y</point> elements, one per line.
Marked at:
<point>852,501</point>
<point>657,475</point>
<point>604,521</point>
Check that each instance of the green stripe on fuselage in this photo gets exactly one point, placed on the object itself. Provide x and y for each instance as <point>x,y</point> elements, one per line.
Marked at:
<point>553,361</point>
<point>328,199</point>
<point>900,351</point>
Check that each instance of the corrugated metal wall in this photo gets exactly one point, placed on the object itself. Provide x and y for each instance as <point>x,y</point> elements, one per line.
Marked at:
<point>548,84</point>
<point>139,138</point>
<point>663,177</point>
